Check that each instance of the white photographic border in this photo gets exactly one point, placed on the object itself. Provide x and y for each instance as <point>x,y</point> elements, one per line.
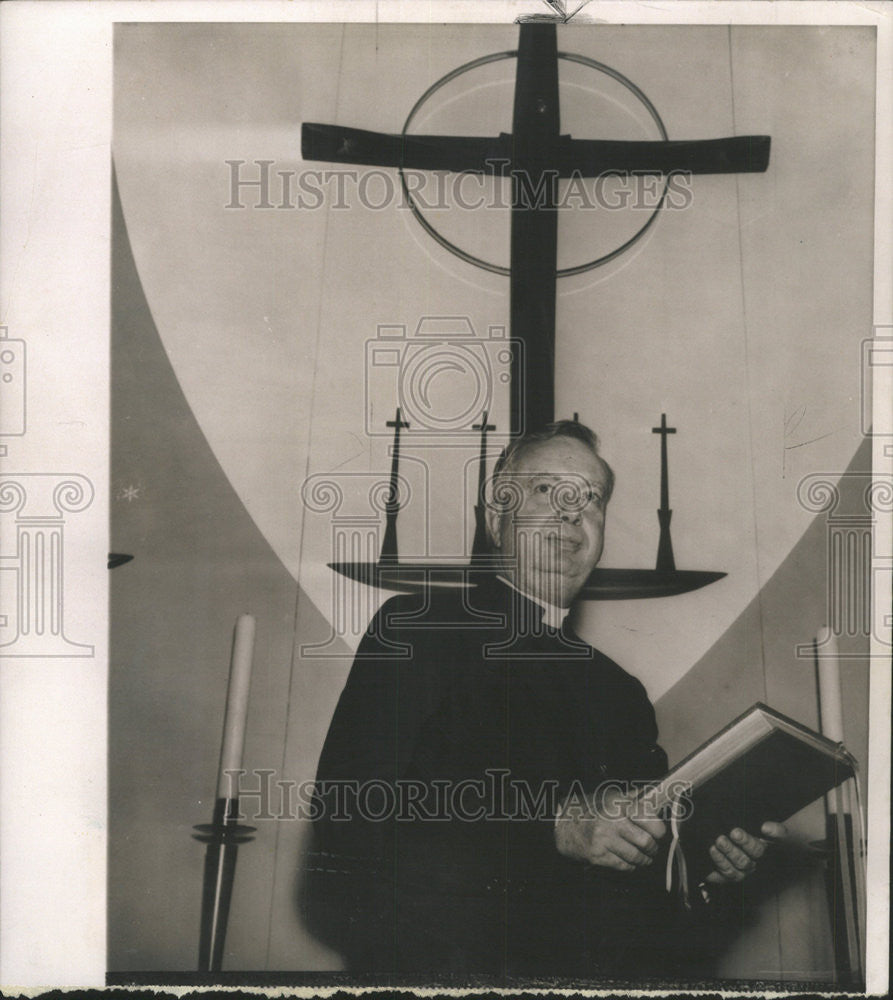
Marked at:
<point>55,182</point>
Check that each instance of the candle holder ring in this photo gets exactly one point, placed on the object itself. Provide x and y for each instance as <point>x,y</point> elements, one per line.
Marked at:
<point>212,833</point>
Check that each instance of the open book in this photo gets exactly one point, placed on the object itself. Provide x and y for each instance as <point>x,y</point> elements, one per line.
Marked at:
<point>762,766</point>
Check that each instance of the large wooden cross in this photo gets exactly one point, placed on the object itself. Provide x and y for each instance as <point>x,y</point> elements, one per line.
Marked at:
<point>535,155</point>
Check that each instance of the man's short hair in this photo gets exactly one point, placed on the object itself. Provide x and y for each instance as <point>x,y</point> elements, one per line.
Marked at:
<point>560,428</point>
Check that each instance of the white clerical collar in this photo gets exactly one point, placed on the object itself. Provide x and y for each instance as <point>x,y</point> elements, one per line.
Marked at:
<point>553,615</point>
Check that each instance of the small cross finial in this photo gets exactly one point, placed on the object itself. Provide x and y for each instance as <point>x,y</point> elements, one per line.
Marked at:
<point>576,417</point>
<point>663,429</point>
<point>397,422</point>
<point>483,425</point>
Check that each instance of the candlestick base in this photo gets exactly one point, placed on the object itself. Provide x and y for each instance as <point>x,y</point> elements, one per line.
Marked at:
<point>846,918</point>
<point>222,837</point>
<point>224,827</point>
<point>208,833</point>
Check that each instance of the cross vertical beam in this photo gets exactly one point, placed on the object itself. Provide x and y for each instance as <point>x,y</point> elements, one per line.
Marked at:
<point>665,559</point>
<point>534,234</point>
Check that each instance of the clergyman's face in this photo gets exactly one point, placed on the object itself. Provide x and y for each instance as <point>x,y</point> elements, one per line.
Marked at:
<point>552,538</point>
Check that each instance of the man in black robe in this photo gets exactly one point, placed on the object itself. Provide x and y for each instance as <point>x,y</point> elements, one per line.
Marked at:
<point>473,793</point>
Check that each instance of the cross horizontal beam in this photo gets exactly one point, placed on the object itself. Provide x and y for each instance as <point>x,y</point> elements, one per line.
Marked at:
<point>566,157</point>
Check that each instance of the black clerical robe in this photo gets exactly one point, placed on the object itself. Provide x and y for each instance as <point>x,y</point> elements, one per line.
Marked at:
<point>463,724</point>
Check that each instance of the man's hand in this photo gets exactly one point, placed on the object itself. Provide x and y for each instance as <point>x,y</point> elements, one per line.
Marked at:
<point>736,856</point>
<point>603,830</point>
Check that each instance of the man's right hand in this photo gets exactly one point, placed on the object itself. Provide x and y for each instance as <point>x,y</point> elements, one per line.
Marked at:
<point>604,830</point>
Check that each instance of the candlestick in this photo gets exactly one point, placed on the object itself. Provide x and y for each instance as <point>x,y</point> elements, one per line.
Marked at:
<point>844,875</point>
<point>236,704</point>
<point>830,700</point>
<point>224,833</point>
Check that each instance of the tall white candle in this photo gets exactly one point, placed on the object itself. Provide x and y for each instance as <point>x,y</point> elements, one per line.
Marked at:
<point>830,699</point>
<point>236,704</point>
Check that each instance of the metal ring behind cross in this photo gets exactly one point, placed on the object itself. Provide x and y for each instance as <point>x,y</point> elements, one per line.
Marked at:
<point>470,258</point>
